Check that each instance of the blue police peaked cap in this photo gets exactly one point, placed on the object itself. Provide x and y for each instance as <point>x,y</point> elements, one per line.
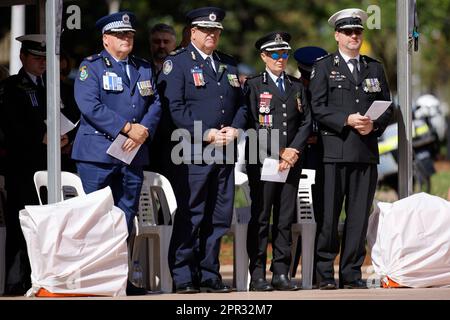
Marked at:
<point>273,41</point>
<point>117,22</point>
<point>306,56</point>
<point>208,17</point>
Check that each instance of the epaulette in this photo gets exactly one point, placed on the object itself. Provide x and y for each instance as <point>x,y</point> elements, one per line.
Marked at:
<point>93,57</point>
<point>254,76</point>
<point>325,56</point>
<point>175,52</point>
<point>224,57</point>
<point>369,59</point>
<point>139,59</point>
<point>292,78</point>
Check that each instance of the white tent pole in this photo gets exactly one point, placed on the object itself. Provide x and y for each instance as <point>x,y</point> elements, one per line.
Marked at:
<point>17,30</point>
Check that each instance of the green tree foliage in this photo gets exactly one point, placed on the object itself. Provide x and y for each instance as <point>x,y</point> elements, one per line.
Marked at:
<point>247,20</point>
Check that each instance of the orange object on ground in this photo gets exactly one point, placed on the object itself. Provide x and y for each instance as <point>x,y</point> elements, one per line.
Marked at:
<point>44,293</point>
<point>389,283</point>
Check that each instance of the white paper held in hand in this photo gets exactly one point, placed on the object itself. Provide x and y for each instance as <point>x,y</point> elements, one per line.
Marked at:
<point>115,150</point>
<point>377,108</point>
<point>270,171</point>
<point>65,125</point>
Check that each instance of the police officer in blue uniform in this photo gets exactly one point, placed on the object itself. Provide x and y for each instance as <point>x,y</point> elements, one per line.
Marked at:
<point>200,84</point>
<point>116,96</point>
<point>343,86</point>
<point>279,113</point>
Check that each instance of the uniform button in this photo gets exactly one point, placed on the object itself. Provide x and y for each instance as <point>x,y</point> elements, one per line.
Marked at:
<point>356,87</point>
<point>357,100</point>
<point>134,120</point>
<point>284,133</point>
<point>284,124</point>
<point>284,106</point>
<point>284,114</point>
<point>221,126</point>
<point>218,83</point>
<point>96,131</point>
<point>134,106</point>
<point>223,111</point>
<point>339,86</point>
<point>221,97</point>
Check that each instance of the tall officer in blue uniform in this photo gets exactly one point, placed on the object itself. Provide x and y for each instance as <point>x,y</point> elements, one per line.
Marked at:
<point>201,84</point>
<point>306,57</point>
<point>116,96</point>
<point>343,86</point>
<point>278,107</point>
<point>22,115</point>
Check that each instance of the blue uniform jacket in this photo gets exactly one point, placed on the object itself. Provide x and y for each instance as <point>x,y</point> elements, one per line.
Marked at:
<point>192,92</point>
<point>105,112</point>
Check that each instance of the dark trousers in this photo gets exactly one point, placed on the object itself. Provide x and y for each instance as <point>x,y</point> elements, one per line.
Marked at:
<point>356,183</point>
<point>125,182</point>
<point>205,196</point>
<point>268,197</point>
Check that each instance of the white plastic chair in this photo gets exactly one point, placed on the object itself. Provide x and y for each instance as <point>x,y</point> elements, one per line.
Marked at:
<point>239,226</point>
<point>68,179</point>
<point>306,226</point>
<point>156,193</point>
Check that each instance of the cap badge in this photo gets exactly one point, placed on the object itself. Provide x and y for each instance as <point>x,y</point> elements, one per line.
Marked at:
<point>212,17</point>
<point>126,18</point>
<point>278,39</point>
<point>354,15</point>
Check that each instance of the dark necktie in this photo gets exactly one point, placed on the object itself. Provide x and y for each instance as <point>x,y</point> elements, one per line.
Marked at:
<point>354,62</point>
<point>123,65</point>
<point>280,84</point>
<point>39,83</point>
<point>210,63</point>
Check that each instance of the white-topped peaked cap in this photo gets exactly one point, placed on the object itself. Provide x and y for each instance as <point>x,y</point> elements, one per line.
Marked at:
<point>348,19</point>
<point>33,43</point>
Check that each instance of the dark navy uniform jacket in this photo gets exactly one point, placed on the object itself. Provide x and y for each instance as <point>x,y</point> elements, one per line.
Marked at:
<point>290,114</point>
<point>218,102</point>
<point>335,95</point>
<point>105,112</point>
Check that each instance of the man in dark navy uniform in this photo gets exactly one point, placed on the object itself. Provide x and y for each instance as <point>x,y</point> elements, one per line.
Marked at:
<point>23,112</point>
<point>116,96</point>
<point>279,112</point>
<point>201,85</point>
<point>343,86</point>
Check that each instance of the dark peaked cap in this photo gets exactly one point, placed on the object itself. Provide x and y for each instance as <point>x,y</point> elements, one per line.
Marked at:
<point>117,22</point>
<point>208,17</point>
<point>273,41</point>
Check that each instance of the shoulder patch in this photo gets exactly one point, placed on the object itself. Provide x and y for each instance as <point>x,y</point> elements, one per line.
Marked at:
<point>167,67</point>
<point>83,73</point>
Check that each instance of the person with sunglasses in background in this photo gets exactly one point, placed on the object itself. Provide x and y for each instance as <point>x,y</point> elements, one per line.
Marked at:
<point>279,113</point>
<point>343,86</point>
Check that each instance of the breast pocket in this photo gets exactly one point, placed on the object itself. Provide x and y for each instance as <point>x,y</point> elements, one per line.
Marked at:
<point>337,90</point>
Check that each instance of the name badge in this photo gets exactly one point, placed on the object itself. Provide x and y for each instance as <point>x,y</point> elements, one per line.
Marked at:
<point>264,102</point>
<point>197,75</point>
<point>145,88</point>
<point>233,80</point>
<point>112,82</point>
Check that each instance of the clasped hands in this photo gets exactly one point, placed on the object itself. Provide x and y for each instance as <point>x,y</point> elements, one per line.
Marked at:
<point>223,136</point>
<point>361,123</point>
<point>289,156</point>
<point>137,134</point>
